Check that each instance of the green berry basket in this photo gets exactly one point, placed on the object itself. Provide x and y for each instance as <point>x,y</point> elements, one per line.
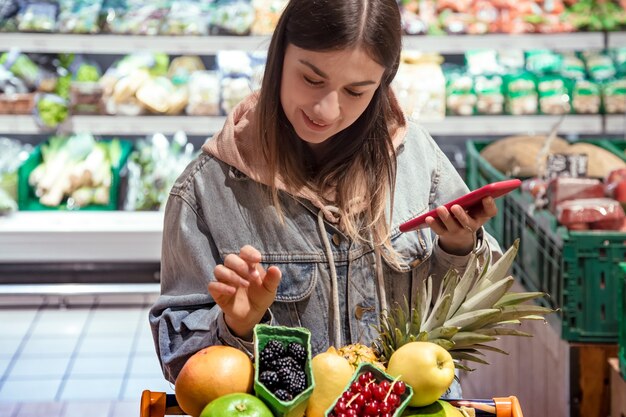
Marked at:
<point>378,376</point>
<point>262,335</point>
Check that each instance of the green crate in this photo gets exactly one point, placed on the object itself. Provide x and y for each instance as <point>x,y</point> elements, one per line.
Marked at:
<point>579,270</point>
<point>618,147</point>
<point>27,200</point>
<point>479,172</point>
<point>622,321</point>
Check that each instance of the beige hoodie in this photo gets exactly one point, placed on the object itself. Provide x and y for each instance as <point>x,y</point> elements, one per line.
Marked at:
<point>236,146</point>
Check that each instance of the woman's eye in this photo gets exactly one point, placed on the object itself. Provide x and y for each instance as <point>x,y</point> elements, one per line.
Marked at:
<point>353,93</point>
<point>312,82</point>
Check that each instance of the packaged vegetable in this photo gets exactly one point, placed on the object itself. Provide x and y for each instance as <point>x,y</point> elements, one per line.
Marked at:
<point>13,153</point>
<point>79,16</point>
<point>520,93</point>
<point>420,86</point>
<point>460,96</point>
<point>267,13</point>
<point>204,94</point>
<point>232,17</point>
<point>111,15</point>
<point>489,97</point>
<point>186,17</point>
<point>23,67</point>
<point>619,57</point>
<point>614,96</point>
<point>50,110</point>
<point>543,61</point>
<point>586,97</point>
<point>554,96</point>
<point>562,189</point>
<point>38,16</point>
<point>482,61</point>
<point>599,66</point>
<point>572,66</point>
<point>142,18</point>
<point>589,210</point>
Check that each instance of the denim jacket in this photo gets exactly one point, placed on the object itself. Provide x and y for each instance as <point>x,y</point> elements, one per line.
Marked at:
<point>214,209</point>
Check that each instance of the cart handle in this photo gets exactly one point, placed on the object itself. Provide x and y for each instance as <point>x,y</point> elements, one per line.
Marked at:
<point>508,407</point>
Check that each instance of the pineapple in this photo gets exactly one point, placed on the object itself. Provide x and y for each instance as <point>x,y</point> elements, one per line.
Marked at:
<point>467,312</point>
<point>357,353</point>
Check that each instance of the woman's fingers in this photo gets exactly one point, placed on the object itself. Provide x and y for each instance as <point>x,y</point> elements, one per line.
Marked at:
<point>272,279</point>
<point>229,276</point>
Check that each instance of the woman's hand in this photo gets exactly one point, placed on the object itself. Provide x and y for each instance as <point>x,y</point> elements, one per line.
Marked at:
<point>457,228</point>
<point>244,290</point>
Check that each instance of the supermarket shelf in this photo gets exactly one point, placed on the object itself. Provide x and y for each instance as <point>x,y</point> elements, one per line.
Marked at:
<point>502,125</point>
<point>460,43</point>
<point>616,39</point>
<point>615,124</point>
<point>206,45</point>
<point>200,126</point>
<point>118,125</point>
<point>82,236</point>
<point>124,44</point>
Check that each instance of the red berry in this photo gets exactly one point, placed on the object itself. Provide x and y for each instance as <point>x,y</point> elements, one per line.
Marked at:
<point>341,406</point>
<point>363,379</point>
<point>399,388</point>
<point>352,412</point>
<point>379,393</point>
<point>384,384</point>
<point>393,399</point>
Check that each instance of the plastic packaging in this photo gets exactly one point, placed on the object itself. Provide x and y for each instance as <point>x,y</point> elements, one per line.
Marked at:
<point>586,97</point>
<point>186,17</point>
<point>267,13</point>
<point>564,189</point>
<point>204,94</point>
<point>554,96</point>
<point>38,16</point>
<point>520,93</point>
<point>420,86</point>
<point>79,16</point>
<point>614,96</point>
<point>23,67</point>
<point>489,97</point>
<point>588,211</point>
<point>232,17</point>
<point>599,66</point>
<point>460,96</point>
<point>235,68</point>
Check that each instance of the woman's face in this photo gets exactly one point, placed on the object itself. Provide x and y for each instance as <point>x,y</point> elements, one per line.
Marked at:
<point>323,93</point>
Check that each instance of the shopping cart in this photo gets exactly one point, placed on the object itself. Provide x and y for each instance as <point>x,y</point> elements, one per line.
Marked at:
<point>160,404</point>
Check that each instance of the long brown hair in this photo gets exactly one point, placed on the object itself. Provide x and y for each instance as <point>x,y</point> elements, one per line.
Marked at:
<point>364,150</point>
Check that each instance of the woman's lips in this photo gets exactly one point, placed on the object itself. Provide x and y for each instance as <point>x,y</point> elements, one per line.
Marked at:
<point>313,125</point>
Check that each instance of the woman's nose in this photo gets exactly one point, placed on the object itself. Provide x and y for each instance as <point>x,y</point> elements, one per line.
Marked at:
<point>327,108</point>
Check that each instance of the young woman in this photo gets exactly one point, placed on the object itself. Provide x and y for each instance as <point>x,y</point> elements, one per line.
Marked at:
<point>290,215</point>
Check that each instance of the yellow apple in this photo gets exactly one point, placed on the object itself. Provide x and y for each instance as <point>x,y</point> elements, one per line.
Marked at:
<point>426,367</point>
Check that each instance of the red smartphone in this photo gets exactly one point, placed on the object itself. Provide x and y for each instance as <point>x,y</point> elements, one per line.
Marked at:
<point>495,190</point>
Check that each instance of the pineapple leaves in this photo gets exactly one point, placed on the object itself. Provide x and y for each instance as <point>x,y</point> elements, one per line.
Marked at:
<point>502,331</point>
<point>464,285</point>
<point>497,271</point>
<point>468,357</point>
<point>518,298</point>
<point>487,297</point>
<point>471,318</point>
<point>438,314</point>
<point>463,339</point>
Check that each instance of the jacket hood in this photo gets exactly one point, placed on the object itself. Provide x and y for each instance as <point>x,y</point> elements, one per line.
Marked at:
<point>236,146</point>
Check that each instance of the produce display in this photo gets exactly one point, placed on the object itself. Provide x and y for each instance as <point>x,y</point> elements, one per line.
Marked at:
<point>582,184</point>
<point>404,373</point>
<point>75,172</point>
<point>259,17</point>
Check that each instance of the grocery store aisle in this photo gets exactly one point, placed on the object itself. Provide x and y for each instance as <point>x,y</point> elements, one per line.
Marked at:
<point>74,362</point>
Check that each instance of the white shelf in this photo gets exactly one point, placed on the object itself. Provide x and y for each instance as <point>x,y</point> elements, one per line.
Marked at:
<point>207,45</point>
<point>460,43</point>
<point>82,236</point>
<point>205,126</point>
<point>504,125</point>
<point>124,44</point>
<point>616,39</point>
<point>117,125</point>
<point>615,124</point>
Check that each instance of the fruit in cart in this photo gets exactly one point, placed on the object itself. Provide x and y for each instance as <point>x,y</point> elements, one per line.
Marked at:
<point>437,409</point>
<point>467,311</point>
<point>426,367</point>
<point>331,373</point>
<point>358,353</point>
<point>236,405</point>
<point>282,369</point>
<point>212,373</point>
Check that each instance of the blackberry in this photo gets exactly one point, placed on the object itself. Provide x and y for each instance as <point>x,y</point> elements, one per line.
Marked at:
<point>270,379</point>
<point>297,351</point>
<point>284,363</point>
<point>283,395</point>
<point>293,380</point>
<point>273,350</point>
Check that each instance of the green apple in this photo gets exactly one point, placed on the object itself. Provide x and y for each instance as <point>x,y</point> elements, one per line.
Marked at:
<point>437,409</point>
<point>426,367</point>
<point>236,405</point>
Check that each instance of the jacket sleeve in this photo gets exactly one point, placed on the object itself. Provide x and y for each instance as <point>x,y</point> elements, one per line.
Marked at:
<point>447,185</point>
<point>185,319</point>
